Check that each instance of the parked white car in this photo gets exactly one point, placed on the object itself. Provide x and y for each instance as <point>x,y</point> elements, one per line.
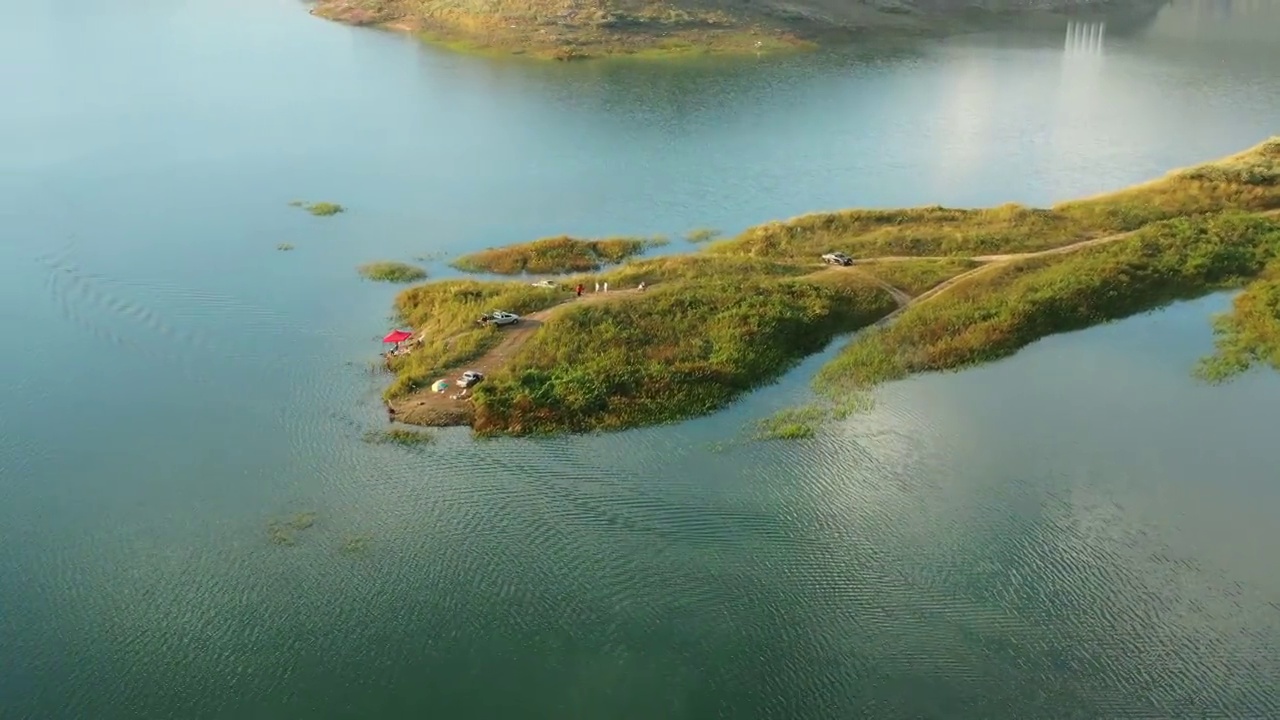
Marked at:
<point>837,258</point>
<point>544,284</point>
<point>502,317</point>
<point>469,378</point>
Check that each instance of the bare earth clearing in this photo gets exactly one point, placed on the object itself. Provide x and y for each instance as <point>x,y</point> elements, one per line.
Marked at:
<point>443,409</point>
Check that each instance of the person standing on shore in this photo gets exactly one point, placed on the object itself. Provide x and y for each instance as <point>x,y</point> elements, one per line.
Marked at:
<point>579,289</point>
<point>597,286</point>
<point>606,287</point>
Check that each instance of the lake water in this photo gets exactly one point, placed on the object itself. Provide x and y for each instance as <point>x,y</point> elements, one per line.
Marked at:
<point>1080,531</point>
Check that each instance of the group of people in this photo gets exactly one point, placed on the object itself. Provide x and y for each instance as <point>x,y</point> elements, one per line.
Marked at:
<point>601,287</point>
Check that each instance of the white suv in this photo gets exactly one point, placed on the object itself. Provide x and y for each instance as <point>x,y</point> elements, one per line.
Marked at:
<point>837,258</point>
<point>502,317</point>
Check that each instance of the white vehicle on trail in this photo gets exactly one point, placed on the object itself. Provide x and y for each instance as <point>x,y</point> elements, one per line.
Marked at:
<point>502,317</point>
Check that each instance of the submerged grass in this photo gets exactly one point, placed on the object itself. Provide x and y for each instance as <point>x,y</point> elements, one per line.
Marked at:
<point>555,255</point>
<point>994,314</point>
<point>284,531</point>
<point>389,271</point>
<point>400,436</point>
<point>354,544</point>
<point>800,423</point>
<point>805,421</point>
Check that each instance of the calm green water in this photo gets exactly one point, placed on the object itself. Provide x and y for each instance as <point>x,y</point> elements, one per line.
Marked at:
<point>1080,531</point>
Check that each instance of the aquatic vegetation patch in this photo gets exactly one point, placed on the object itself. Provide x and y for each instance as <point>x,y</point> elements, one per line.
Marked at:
<point>319,209</point>
<point>390,271</point>
<point>403,437</point>
<point>284,247</point>
<point>555,255</point>
<point>799,423</point>
<point>355,544</point>
<point>997,312</point>
<point>1248,335</point>
<point>805,421</point>
<point>285,531</point>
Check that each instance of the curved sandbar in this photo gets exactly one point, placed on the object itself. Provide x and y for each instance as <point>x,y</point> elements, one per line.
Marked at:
<point>945,288</point>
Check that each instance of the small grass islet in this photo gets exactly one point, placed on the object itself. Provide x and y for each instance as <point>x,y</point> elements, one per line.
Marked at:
<point>284,247</point>
<point>943,288</point>
<point>392,272</point>
<point>804,422</point>
<point>319,209</point>
<point>557,255</point>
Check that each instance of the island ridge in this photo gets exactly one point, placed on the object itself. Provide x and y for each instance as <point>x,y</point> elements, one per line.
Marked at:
<point>932,289</point>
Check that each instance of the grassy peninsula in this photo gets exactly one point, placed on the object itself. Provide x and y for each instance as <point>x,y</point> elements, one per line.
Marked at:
<point>935,289</point>
<point>997,312</point>
<point>555,255</point>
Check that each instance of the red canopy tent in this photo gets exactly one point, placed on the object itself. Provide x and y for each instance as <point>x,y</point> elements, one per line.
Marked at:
<point>397,336</point>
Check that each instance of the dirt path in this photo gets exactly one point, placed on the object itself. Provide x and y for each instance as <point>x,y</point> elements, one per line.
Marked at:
<point>899,295</point>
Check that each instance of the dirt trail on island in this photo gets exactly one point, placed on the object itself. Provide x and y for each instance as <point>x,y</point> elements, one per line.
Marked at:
<point>991,262</point>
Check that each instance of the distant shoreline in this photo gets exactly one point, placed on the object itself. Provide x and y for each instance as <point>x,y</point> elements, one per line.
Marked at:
<point>553,30</point>
<point>658,340</point>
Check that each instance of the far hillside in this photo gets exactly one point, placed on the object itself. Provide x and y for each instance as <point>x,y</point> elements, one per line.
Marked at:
<point>575,29</point>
